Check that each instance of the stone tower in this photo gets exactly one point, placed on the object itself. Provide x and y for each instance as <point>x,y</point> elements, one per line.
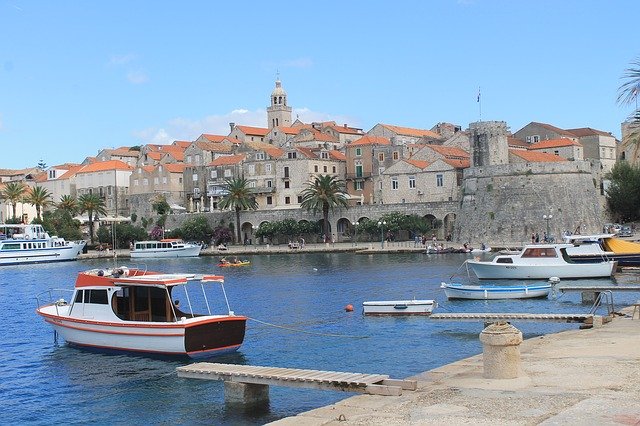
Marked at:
<point>279,113</point>
<point>488,141</point>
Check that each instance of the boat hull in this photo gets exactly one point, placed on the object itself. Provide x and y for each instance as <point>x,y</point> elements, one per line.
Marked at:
<point>166,253</point>
<point>44,255</point>
<point>459,291</point>
<point>399,307</point>
<point>492,270</point>
<point>198,337</point>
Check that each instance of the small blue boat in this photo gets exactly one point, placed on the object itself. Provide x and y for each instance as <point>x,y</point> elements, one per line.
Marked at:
<point>484,291</point>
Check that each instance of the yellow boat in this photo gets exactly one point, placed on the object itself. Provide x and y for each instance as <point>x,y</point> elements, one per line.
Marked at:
<point>241,263</point>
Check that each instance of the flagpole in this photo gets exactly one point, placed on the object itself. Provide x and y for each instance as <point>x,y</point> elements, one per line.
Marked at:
<point>479,103</point>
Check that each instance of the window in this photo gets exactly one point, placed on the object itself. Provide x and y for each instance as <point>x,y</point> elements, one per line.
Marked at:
<point>269,200</point>
<point>324,169</point>
<point>358,152</point>
<point>197,158</point>
<point>394,183</point>
<point>287,200</point>
<point>252,169</point>
<point>269,183</point>
<point>267,168</point>
<point>412,182</point>
<point>260,156</point>
<point>358,185</point>
<point>315,168</point>
<point>334,169</point>
<point>381,156</point>
<point>189,159</point>
<point>324,155</point>
<point>299,199</point>
<point>228,172</point>
<point>164,180</point>
<point>292,155</point>
<point>135,182</point>
<point>214,174</point>
<point>194,177</point>
<point>359,169</point>
<point>396,155</point>
<point>287,184</point>
<point>286,172</point>
<point>156,181</point>
<point>145,181</point>
<point>97,296</point>
<point>439,180</point>
<point>535,139</point>
<point>180,179</point>
<point>251,184</point>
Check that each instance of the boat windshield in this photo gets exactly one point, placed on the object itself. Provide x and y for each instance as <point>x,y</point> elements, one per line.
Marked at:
<point>540,252</point>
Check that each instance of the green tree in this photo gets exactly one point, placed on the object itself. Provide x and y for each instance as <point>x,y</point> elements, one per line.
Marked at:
<point>14,193</point>
<point>623,193</point>
<point>324,193</point>
<point>195,229</point>
<point>160,206</point>
<point>68,203</point>
<point>628,95</point>
<point>60,222</point>
<point>94,206</point>
<point>38,197</point>
<point>238,198</point>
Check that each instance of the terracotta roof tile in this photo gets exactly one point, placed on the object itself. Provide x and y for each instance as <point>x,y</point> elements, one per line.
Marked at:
<point>182,144</point>
<point>555,129</point>
<point>148,169</point>
<point>227,160</point>
<point>347,130</point>
<point>307,152</point>
<point>421,164</point>
<point>291,130</point>
<point>588,131</point>
<point>554,143</point>
<point>214,147</point>
<point>449,151</point>
<point>536,157</point>
<point>515,142</point>
<point>253,131</point>
<point>408,131</point>
<point>371,140</point>
<point>71,172</point>
<point>213,138</point>
<point>124,151</point>
<point>337,155</point>
<point>272,151</point>
<point>174,167</point>
<point>457,163</point>
<point>101,166</point>
<point>155,155</point>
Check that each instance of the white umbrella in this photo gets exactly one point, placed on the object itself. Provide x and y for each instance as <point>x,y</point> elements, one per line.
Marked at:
<point>176,207</point>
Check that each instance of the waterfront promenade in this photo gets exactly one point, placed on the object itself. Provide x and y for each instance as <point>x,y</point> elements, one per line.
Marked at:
<point>576,377</point>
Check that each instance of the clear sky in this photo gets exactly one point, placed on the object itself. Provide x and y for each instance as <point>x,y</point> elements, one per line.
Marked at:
<point>79,76</point>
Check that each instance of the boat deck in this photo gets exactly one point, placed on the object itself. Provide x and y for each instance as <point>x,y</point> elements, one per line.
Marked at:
<point>375,384</point>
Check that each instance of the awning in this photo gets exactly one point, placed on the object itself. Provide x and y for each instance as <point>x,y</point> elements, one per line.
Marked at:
<point>176,207</point>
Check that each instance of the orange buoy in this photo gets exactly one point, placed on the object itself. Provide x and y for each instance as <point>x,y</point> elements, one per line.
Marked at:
<point>349,308</point>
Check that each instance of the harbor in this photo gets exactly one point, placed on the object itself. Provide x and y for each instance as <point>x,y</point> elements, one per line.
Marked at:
<point>296,319</point>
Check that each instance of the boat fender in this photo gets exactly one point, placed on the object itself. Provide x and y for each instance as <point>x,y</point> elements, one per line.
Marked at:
<point>101,273</point>
<point>61,302</point>
<point>348,308</point>
<point>554,280</point>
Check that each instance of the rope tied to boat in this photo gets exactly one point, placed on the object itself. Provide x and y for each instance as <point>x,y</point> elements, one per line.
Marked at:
<point>315,333</point>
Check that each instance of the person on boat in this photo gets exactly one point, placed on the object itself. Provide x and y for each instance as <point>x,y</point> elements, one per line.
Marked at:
<point>176,303</point>
<point>235,260</point>
<point>224,261</point>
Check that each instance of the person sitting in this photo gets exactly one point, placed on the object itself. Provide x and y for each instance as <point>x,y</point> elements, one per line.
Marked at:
<point>224,261</point>
<point>235,260</point>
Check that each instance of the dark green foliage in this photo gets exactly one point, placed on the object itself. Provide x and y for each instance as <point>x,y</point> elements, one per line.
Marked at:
<point>324,193</point>
<point>222,235</point>
<point>61,223</point>
<point>126,233</point>
<point>623,194</point>
<point>238,197</point>
<point>195,229</point>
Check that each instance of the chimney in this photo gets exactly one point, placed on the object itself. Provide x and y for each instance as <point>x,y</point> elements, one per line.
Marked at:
<point>345,125</point>
<point>232,125</point>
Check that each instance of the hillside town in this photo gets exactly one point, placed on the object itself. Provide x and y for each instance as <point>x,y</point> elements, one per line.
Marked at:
<point>385,167</point>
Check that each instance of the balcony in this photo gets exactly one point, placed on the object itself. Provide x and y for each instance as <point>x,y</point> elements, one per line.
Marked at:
<point>354,176</point>
<point>263,190</point>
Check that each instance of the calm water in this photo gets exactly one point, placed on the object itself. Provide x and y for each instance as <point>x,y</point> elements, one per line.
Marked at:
<point>45,383</point>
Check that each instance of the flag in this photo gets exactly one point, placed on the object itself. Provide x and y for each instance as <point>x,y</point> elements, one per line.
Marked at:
<point>478,96</point>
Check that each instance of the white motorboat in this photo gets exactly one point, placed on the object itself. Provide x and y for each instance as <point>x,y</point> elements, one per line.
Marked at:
<point>592,248</point>
<point>399,307</point>
<point>32,244</point>
<point>166,248</point>
<point>131,310</point>
<point>540,261</point>
<point>490,292</point>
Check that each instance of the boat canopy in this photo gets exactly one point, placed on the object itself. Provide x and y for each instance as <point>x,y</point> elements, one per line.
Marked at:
<point>618,246</point>
<point>125,276</point>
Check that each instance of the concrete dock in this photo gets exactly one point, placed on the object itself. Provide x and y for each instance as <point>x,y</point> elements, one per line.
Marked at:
<point>576,377</point>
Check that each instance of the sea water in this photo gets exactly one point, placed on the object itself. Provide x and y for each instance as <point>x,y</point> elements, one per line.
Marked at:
<point>296,305</point>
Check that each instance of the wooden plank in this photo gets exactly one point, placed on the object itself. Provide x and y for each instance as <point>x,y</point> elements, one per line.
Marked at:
<point>383,390</point>
<point>404,384</point>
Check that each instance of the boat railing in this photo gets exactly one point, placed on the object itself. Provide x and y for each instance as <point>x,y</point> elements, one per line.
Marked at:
<point>603,298</point>
<point>54,296</point>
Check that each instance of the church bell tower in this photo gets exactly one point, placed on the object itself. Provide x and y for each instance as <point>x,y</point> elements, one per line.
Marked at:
<point>279,113</point>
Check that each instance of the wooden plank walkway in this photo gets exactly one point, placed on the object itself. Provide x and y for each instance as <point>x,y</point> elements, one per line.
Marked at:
<point>597,288</point>
<point>376,384</point>
<point>493,317</point>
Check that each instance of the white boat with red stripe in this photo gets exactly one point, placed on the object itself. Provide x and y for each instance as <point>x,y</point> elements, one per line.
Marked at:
<point>135,310</point>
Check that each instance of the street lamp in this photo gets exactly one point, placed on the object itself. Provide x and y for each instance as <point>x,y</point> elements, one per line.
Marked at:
<point>355,230</point>
<point>547,217</point>
<point>382,224</point>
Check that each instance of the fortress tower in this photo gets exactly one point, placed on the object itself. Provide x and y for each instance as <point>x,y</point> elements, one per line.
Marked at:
<point>488,141</point>
<point>279,113</point>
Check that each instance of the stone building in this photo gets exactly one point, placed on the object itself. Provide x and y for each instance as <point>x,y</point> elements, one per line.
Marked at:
<point>125,154</point>
<point>629,148</point>
<point>279,112</point>
<point>109,180</point>
<point>366,160</point>
<point>404,135</point>
<point>598,146</point>
<point>566,148</point>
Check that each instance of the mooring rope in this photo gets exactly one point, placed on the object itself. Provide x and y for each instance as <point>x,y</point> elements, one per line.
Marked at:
<point>308,332</point>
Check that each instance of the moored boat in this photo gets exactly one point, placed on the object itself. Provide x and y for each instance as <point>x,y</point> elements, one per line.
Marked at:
<point>231,264</point>
<point>592,248</point>
<point>166,248</point>
<point>131,310</point>
<point>540,261</point>
<point>21,243</point>
<point>491,292</point>
<point>399,307</point>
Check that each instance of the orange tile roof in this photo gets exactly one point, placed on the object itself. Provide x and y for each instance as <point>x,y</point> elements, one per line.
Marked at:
<point>371,140</point>
<point>588,131</point>
<point>124,151</point>
<point>554,143</point>
<point>174,167</point>
<point>41,177</point>
<point>290,130</point>
<point>253,131</point>
<point>408,131</point>
<point>65,166</point>
<point>337,155</point>
<point>449,151</point>
<point>457,163</point>
<point>511,141</point>
<point>181,144</point>
<point>421,164</point>
<point>227,160</point>
<point>153,146</point>
<point>307,152</point>
<point>271,150</point>
<point>148,169</point>
<point>214,146</point>
<point>177,155</point>
<point>155,155</point>
<point>101,166</point>
<point>71,172</point>
<point>213,138</point>
<point>536,157</point>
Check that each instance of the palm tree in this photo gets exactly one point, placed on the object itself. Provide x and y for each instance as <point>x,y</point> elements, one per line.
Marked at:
<point>14,192</point>
<point>323,193</point>
<point>238,197</point>
<point>94,206</point>
<point>38,197</point>
<point>69,204</point>
<point>628,94</point>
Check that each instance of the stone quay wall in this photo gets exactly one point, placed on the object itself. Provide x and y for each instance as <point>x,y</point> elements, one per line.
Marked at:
<point>505,204</point>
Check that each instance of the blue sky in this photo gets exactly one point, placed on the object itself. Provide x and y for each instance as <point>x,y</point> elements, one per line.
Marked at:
<point>76,77</point>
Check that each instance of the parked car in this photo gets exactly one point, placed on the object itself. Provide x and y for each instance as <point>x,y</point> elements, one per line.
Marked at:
<point>625,231</point>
